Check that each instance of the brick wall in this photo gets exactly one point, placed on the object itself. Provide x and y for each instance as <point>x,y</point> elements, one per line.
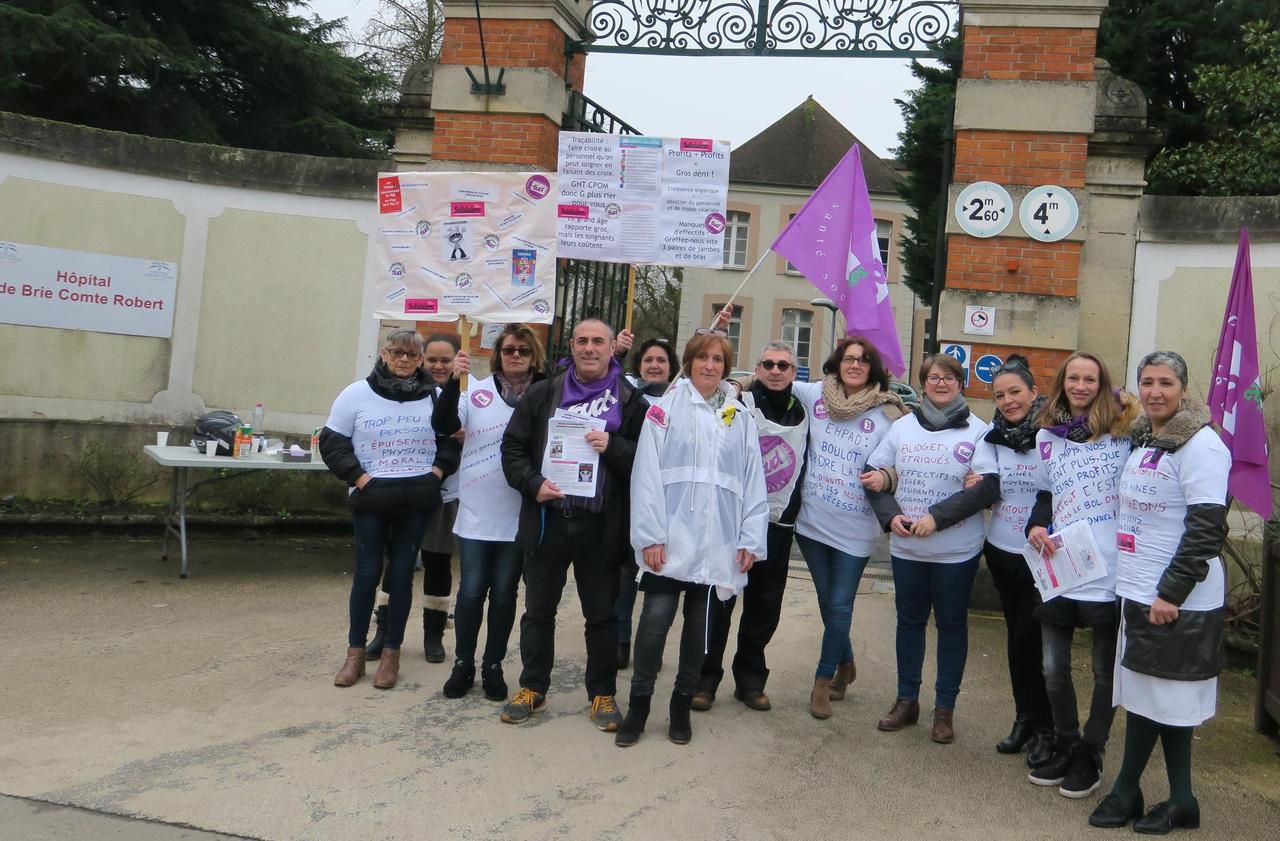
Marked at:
<point>1013,264</point>
<point>508,43</point>
<point>1028,53</point>
<point>1015,157</point>
<point>496,138</point>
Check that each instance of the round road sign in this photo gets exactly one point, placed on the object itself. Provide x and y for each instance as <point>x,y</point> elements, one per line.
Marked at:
<point>984,209</point>
<point>1049,213</point>
<point>985,368</point>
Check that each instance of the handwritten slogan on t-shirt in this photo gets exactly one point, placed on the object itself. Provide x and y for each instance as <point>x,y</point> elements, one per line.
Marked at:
<point>929,472</point>
<point>395,444</point>
<point>837,455</point>
<point>1084,479</point>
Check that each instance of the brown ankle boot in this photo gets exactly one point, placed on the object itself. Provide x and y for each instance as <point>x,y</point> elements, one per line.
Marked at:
<point>352,668</point>
<point>900,715</point>
<point>943,731</point>
<point>388,669</point>
<point>820,698</point>
<point>846,673</point>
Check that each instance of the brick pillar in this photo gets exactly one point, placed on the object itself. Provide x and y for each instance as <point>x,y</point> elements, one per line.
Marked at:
<point>1025,107</point>
<point>526,39</point>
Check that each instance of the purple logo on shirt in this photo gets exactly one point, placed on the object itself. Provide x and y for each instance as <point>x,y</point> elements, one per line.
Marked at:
<point>1151,460</point>
<point>1046,450</point>
<point>963,452</point>
<point>820,409</point>
<point>779,462</point>
<point>482,398</point>
<point>868,425</point>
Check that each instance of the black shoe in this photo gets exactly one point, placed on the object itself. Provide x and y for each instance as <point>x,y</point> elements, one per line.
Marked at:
<point>1040,748</point>
<point>681,730</point>
<point>1116,811</point>
<point>433,622</point>
<point>1085,774</point>
<point>461,681</point>
<point>1018,737</point>
<point>492,682</point>
<point>624,655</point>
<point>373,651</point>
<point>1165,816</point>
<point>633,725</point>
<point>1054,772</point>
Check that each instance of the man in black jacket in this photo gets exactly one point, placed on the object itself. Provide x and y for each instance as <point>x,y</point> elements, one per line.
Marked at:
<point>556,530</point>
<point>784,433</point>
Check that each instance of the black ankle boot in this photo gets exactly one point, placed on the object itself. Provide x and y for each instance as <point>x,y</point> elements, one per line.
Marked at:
<point>492,682</point>
<point>433,622</point>
<point>461,680</point>
<point>681,730</point>
<point>1018,737</point>
<point>1040,748</point>
<point>633,725</point>
<point>373,651</point>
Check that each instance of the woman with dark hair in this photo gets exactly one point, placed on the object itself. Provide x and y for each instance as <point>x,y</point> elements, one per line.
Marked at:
<point>1083,444</point>
<point>699,512</point>
<point>935,539</point>
<point>850,411</point>
<point>1172,524</point>
<point>393,489</point>
<point>488,508</point>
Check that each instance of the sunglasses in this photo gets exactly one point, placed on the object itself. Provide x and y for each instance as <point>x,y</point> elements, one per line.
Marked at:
<point>507,350</point>
<point>707,331</point>
<point>770,364</point>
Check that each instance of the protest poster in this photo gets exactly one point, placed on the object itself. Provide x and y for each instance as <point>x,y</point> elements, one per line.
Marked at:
<point>650,200</point>
<point>481,245</point>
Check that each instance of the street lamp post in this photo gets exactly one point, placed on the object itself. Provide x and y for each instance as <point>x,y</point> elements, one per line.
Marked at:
<point>830,305</point>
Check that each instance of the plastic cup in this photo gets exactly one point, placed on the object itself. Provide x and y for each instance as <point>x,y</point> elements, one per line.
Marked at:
<point>162,439</point>
<point>211,448</point>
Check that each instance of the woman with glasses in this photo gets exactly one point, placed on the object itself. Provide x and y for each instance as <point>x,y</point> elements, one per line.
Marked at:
<point>1083,444</point>
<point>935,540</point>
<point>378,438</point>
<point>850,411</point>
<point>489,508</point>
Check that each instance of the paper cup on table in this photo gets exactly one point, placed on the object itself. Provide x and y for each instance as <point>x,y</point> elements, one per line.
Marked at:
<point>162,439</point>
<point>211,448</point>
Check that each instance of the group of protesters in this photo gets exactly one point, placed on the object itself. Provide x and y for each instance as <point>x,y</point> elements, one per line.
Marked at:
<point>703,484</point>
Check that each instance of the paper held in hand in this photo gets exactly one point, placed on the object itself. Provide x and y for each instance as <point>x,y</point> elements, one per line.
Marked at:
<point>1076,560</point>
<point>569,461</point>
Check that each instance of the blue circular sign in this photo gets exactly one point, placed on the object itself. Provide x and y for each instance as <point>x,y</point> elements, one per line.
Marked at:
<point>957,352</point>
<point>985,367</point>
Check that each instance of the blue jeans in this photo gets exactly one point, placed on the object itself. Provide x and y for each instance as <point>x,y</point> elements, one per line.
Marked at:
<point>835,576</point>
<point>921,586</point>
<point>398,533</point>
<point>489,568</point>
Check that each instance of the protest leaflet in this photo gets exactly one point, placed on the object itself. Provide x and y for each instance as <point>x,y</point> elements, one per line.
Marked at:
<point>475,244</point>
<point>1076,560</point>
<point>569,461</point>
<point>651,200</point>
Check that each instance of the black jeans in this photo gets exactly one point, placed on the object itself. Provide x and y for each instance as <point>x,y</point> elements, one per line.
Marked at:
<point>761,609</point>
<point>578,540</point>
<point>656,616</point>
<point>1062,693</point>
<point>1018,600</point>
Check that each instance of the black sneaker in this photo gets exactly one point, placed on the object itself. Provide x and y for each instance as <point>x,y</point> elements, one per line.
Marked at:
<point>1085,774</point>
<point>493,683</point>
<point>1054,772</point>
<point>461,680</point>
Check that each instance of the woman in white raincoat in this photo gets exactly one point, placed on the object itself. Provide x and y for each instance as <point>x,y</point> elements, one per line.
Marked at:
<point>699,513</point>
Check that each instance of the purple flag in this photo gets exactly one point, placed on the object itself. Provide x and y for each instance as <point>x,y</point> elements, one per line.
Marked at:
<point>1237,410</point>
<point>832,242</point>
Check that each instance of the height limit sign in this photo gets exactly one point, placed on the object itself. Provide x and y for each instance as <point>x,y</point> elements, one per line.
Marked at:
<point>1049,213</point>
<point>983,209</point>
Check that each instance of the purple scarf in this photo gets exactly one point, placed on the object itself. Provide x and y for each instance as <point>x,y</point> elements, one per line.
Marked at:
<point>598,399</point>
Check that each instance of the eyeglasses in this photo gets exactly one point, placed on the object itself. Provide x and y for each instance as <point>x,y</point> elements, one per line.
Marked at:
<point>855,360</point>
<point>507,350</point>
<point>934,379</point>
<point>780,364</point>
<point>397,353</point>
<point>439,360</point>
<point>707,331</point>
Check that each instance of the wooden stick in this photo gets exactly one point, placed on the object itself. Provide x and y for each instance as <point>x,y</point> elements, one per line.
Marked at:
<point>631,294</point>
<point>464,333</point>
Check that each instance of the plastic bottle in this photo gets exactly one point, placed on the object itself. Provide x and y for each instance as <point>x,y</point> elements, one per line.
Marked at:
<point>259,420</point>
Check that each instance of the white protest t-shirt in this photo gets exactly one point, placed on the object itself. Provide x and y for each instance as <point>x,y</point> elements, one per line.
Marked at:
<point>833,506</point>
<point>390,438</point>
<point>1085,482</point>
<point>488,508</point>
<point>931,467</point>
<point>1019,482</point>
<point>1155,490</point>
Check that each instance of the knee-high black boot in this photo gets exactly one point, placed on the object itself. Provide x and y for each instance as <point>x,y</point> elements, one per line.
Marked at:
<point>433,625</point>
<point>373,650</point>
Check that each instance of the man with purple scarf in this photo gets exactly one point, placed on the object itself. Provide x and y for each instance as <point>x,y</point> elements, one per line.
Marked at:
<point>589,533</point>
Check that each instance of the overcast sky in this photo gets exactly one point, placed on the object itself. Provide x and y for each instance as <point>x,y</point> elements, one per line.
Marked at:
<point>727,98</point>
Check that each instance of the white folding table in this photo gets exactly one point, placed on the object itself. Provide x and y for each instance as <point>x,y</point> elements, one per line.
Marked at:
<point>184,459</point>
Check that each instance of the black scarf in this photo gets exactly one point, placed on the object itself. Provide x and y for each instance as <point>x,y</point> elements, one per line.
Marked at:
<point>1019,437</point>
<point>1072,428</point>
<point>400,389</point>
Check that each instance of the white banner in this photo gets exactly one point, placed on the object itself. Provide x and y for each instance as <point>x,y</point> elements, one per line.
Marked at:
<point>78,290</point>
<point>474,244</point>
<point>652,200</point>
